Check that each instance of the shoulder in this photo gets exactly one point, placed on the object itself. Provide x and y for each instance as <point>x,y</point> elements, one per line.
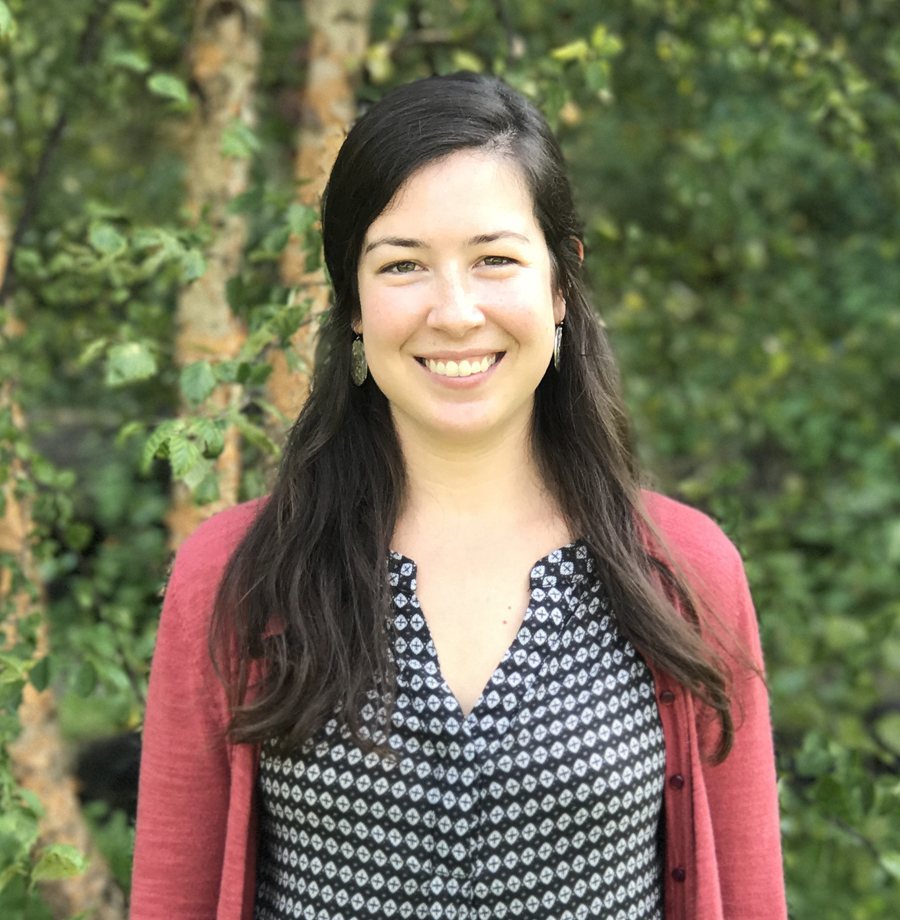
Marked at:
<point>201,559</point>
<point>688,533</point>
<point>700,553</point>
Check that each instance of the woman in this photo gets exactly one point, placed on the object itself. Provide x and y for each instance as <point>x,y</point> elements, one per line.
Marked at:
<point>399,712</point>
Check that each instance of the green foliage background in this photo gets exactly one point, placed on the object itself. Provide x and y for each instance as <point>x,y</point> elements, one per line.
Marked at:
<point>737,169</point>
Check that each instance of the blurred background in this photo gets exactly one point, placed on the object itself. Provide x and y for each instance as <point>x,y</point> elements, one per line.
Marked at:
<point>737,168</point>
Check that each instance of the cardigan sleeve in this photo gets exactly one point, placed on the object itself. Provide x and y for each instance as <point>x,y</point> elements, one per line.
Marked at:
<point>742,791</point>
<point>738,797</point>
<point>185,762</point>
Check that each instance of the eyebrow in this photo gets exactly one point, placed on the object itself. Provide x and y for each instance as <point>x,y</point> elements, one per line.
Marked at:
<point>480,240</point>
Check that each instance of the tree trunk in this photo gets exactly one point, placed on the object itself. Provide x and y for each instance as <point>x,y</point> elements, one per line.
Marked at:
<point>39,757</point>
<point>340,35</point>
<point>224,56</point>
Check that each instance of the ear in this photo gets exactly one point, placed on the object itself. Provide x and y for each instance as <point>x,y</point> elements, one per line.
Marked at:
<point>579,246</point>
<point>356,325</point>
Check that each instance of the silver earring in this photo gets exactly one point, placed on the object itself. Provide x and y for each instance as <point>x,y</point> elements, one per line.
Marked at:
<point>359,367</point>
<point>557,346</point>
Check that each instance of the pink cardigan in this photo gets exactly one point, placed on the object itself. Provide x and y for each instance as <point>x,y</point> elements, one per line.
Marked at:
<point>195,852</point>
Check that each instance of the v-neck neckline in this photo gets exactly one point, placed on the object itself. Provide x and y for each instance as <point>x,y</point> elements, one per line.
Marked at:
<point>536,575</point>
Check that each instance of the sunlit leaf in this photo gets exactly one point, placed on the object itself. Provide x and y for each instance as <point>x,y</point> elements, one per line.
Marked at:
<point>7,23</point>
<point>106,239</point>
<point>58,860</point>
<point>129,362</point>
<point>168,86</point>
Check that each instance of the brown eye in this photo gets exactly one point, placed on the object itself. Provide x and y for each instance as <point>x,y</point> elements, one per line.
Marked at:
<point>498,260</point>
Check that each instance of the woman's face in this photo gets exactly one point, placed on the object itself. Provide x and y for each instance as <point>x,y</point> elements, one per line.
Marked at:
<point>456,298</point>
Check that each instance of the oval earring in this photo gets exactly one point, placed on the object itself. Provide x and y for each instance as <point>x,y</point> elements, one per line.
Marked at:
<point>557,345</point>
<point>359,367</point>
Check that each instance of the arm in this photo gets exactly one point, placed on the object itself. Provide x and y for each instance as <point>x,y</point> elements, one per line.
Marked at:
<point>741,791</point>
<point>185,764</point>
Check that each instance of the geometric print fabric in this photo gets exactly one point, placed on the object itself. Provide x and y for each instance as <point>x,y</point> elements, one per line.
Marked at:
<point>544,802</point>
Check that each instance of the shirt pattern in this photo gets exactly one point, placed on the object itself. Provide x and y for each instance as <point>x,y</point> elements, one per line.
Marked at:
<point>543,802</point>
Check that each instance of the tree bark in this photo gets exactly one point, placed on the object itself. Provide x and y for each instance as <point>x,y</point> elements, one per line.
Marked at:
<point>224,58</point>
<point>39,757</point>
<point>340,35</point>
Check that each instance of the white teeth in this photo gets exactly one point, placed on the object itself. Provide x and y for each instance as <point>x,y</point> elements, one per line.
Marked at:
<point>464,368</point>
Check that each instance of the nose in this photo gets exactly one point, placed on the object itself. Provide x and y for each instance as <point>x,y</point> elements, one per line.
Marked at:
<point>455,310</point>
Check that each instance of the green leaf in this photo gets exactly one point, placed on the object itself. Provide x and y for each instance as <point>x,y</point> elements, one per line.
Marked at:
<point>39,675</point>
<point>255,435</point>
<point>604,42</point>
<point>197,473</point>
<point>207,490</point>
<point>247,202</point>
<point>130,11</point>
<point>129,430</point>
<point>465,60</point>
<point>157,444</point>
<point>7,23</point>
<point>210,436</point>
<point>85,679</point>
<point>255,343</point>
<point>275,240</point>
<point>239,140</point>
<point>128,362</point>
<point>227,371</point>
<point>131,60</point>
<point>193,265</point>
<point>59,860</point>
<point>183,455</point>
<point>168,86</point>
<point>78,536</point>
<point>16,868</point>
<point>198,380</point>
<point>13,668</point>
<point>257,374</point>
<point>92,351</point>
<point>32,803</point>
<point>596,76</point>
<point>578,50</point>
<point>301,218</point>
<point>106,239</point>
<point>890,862</point>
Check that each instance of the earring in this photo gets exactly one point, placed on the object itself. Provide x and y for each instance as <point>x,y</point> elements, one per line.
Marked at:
<point>359,367</point>
<point>557,346</point>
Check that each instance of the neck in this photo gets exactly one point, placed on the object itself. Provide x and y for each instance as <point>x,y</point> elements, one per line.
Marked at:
<point>490,484</point>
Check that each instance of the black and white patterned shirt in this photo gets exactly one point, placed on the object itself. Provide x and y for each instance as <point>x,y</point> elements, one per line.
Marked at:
<point>543,802</point>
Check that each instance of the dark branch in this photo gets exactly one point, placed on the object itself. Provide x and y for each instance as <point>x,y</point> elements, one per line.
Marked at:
<point>506,22</point>
<point>88,46</point>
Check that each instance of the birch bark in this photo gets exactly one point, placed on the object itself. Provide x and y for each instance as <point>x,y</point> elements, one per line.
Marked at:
<point>224,59</point>
<point>340,35</point>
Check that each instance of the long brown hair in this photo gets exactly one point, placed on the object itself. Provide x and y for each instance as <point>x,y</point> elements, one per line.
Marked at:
<point>306,593</point>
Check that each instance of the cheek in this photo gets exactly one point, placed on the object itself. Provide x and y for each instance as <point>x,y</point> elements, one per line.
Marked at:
<point>524,316</point>
<point>384,323</point>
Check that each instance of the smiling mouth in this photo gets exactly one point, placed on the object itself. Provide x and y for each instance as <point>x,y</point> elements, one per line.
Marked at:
<point>464,368</point>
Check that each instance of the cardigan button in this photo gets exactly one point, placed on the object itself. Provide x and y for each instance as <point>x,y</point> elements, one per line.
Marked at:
<point>667,697</point>
<point>679,874</point>
<point>676,781</point>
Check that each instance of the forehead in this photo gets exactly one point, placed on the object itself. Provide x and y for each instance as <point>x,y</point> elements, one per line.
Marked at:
<point>465,187</point>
